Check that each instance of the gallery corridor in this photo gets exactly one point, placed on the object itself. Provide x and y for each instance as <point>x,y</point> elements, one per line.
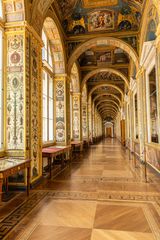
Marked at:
<point>102,197</point>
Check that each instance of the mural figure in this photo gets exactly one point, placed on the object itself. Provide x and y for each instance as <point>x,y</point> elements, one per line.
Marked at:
<point>101,20</point>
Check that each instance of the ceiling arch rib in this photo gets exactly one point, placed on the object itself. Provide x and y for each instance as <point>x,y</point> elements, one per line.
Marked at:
<point>105,85</point>
<point>106,105</point>
<point>108,109</point>
<point>102,70</point>
<point>107,94</point>
<point>107,101</point>
<point>99,42</point>
<point>108,113</point>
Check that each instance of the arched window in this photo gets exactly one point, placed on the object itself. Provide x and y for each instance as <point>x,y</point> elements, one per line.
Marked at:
<point>48,132</point>
<point>1,79</point>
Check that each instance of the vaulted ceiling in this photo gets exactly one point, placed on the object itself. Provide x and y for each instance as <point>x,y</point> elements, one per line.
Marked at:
<point>82,20</point>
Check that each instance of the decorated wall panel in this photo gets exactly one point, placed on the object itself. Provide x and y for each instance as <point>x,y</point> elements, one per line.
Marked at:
<point>15,92</point>
<point>60,110</point>
<point>90,118</point>
<point>14,10</point>
<point>36,108</point>
<point>84,113</point>
<point>27,100</point>
<point>76,117</point>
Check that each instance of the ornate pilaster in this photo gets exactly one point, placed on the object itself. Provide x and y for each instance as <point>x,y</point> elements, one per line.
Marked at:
<point>85,128</point>
<point>23,96</point>
<point>131,121</point>
<point>158,71</point>
<point>93,120</point>
<point>62,109</point>
<point>76,108</point>
<point>141,92</point>
<point>90,119</point>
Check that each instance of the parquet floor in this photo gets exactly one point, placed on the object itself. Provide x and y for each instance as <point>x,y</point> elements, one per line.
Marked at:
<point>102,197</point>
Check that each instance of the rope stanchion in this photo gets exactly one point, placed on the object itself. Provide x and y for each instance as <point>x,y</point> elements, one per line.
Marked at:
<point>145,165</point>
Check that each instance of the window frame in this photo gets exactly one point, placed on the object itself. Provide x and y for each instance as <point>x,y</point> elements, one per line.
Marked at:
<point>151,66</point>
<point>47,69</point>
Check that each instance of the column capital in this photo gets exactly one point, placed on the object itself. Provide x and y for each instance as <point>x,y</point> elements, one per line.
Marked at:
<point>61,77</point>
<point>22,27</point>
<point>77,94</point>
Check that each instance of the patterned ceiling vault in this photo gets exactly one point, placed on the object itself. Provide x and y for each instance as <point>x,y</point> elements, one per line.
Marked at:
<point>82,20</point>
<point>87,16</point>
<point>91,18</point>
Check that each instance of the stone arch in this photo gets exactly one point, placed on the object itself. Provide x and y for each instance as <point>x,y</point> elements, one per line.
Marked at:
<point>107,94</point>
<point>100,70</point>
<point>106,85</point>
<point>56,45</point>
<point>102,41</point>
<point>75,79</point>
<point>107,101</point>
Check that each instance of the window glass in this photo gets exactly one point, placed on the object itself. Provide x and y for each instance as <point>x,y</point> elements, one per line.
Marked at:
<point>44,50</point>
<point>47,107</point>
<point>49,57</point>
<point>153,106</point>
<point>48,123</point>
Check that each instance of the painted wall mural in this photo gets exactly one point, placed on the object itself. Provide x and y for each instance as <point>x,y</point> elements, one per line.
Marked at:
<point>15,90</point>
<point>60,111</point>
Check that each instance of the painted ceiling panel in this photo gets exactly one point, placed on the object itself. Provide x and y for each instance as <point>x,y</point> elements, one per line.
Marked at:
<point>89,16</point>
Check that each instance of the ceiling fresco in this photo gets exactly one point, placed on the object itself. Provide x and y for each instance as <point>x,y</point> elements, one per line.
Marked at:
<point>85,19</point>
<point>92,16</point>
<point>103,57</point>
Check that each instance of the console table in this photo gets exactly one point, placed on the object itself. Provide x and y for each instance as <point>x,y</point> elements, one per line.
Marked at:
<point>11,166</point>
<point>54,151</point>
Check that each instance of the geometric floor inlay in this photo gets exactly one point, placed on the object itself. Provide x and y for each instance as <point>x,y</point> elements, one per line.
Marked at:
<point>101,197</point>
